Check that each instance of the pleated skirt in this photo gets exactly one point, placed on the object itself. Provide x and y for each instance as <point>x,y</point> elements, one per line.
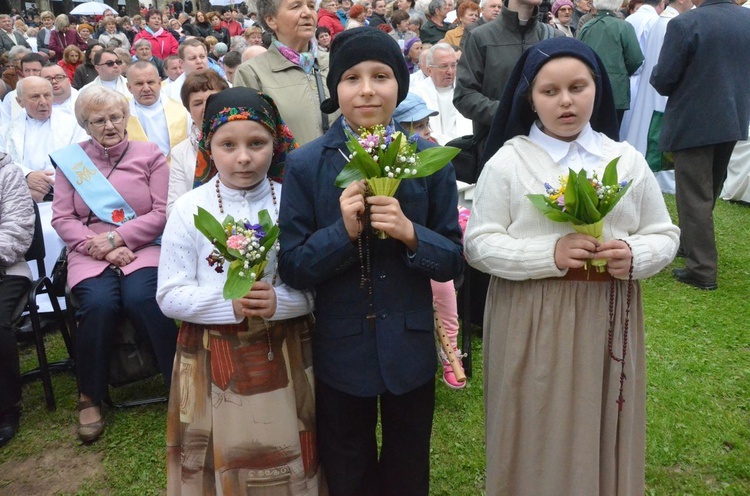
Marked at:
<point>553,423</point>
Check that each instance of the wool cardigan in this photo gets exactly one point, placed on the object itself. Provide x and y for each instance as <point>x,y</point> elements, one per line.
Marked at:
<point>508,237</point>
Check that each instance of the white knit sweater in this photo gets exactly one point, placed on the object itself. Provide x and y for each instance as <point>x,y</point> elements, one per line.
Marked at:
<point>508,237</point>
<point>189,289</point>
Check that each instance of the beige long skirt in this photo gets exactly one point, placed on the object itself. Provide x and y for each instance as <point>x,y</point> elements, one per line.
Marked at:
<point>553,422</point>
<point>239,423</point>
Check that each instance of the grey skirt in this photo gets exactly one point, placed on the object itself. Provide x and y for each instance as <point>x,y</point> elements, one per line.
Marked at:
<point>554,426</point>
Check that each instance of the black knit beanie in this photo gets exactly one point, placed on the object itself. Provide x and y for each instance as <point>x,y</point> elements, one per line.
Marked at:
<point>353,46</point>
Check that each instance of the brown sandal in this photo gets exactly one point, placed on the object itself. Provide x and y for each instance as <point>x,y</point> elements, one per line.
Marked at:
<point>88,433</point>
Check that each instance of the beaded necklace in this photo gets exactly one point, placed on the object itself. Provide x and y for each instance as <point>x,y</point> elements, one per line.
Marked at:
<point>276,263</point>
<point>625,328</point>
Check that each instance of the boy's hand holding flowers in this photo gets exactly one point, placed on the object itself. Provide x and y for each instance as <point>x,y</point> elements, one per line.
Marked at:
<point>386,216</point>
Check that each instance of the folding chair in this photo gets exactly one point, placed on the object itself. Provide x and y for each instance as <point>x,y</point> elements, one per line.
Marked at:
<point>42,286</point>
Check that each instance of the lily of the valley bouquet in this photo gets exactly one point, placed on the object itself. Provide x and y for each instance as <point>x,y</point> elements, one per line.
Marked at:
<point>244,245</point>
<point>583,201</point>
<point>383,157</point>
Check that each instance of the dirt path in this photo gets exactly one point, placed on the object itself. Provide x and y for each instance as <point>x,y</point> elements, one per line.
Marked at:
<point>56,471</point>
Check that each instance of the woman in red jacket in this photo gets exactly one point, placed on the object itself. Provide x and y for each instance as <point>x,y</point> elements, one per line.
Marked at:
<point>327,17</point>
<point>163,44</point>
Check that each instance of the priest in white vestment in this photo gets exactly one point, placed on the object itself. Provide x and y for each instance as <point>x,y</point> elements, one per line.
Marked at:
<point>647,100</point>
<point>29,139</point>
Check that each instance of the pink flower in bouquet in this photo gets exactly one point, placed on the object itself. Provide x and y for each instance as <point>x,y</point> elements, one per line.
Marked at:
<point>561,201</point>
<point>236,242</point>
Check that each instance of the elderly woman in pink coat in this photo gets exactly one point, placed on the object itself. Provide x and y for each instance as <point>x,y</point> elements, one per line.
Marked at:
<point>110,209</point>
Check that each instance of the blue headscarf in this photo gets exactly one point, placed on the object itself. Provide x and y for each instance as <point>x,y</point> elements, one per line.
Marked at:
<point>514,115</point>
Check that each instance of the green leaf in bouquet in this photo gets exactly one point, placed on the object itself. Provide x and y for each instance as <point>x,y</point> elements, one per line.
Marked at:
<point>588,199</point>
<point>571,194</point>
<point>237,286</point>
<point>265,221</point>
<point>210,228</point>
<point>362,159</point>
<point>433,159</point>
<point>550,210</point>
<point>609,206</point>
<point>388,157</point>
<point>348,175</point>
<point>270,238</point>
<point>259,268</point>
<point>610,173</point>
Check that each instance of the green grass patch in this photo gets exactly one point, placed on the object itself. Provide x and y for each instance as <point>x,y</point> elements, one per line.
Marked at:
<point>698,440</point>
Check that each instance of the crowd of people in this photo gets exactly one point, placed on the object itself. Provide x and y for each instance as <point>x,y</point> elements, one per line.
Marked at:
<point>120,127</point>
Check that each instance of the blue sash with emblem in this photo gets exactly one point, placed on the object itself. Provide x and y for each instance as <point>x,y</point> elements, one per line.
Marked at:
<point>96,191</point>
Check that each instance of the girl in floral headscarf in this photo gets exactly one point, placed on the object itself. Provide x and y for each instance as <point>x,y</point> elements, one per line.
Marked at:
<point>242,404</point>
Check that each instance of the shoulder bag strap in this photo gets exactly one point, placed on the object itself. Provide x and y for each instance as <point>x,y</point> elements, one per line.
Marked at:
<point>321,93</point>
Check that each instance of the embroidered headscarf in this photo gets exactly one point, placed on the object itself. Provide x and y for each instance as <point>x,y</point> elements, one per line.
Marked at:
<point>514,115</point>
<point>242,104</point>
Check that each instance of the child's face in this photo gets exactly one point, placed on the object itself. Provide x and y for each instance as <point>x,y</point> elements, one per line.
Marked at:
<point>242,152</point>
<point>563,93</point>
<point>420,127</point>
<point>367,94</point>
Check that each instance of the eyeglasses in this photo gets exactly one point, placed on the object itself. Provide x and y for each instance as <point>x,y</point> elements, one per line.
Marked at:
<point>445,67</point>
<point>111,63</point>
<point>102,122</point>
<point>57,79</point>
<point>565,9</point>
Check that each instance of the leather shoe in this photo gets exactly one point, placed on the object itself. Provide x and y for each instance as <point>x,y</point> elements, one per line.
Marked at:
<point>9,424</point>
<point>88,433</point>
<point>683,275</point>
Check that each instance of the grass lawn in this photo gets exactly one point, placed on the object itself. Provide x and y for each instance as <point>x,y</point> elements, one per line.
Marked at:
<point>698,441</point>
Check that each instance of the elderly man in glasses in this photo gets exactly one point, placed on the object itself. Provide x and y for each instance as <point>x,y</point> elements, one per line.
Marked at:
<point>29,138</point>
<point>437,92</point>
<point>109,67</point>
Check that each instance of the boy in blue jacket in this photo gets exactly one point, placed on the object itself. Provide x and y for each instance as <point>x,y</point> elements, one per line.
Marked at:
<point>374,336</point>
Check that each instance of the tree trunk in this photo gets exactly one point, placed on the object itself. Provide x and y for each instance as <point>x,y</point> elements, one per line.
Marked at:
<point>43,5</point>
<point>67,5</point>
<point>132,7</point>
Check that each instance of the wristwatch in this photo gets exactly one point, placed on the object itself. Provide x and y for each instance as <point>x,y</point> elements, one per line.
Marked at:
<point>111,238</point>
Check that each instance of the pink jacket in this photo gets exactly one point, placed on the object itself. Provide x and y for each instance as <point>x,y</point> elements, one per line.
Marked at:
<point>142,178</point>
<point>162,46</point>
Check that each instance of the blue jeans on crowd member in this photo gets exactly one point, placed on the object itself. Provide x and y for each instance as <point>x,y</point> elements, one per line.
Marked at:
<point>104,301</point>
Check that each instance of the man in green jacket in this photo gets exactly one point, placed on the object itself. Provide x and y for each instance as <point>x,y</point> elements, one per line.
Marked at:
<point>615,42</point>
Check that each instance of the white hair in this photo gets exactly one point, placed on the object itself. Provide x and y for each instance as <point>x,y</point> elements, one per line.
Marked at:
<point>25,81</point>
<point>442,46</point>
<point>98,97</point>
<point>611,5</point>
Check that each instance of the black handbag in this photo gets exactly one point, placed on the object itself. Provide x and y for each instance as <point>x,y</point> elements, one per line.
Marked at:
<point>133,358</point>
<point>60,273</point>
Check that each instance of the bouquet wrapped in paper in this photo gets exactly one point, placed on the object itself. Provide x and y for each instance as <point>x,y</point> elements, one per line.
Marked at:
<point>383,157</point>
<point>244,245</point>
<point>583,201</point>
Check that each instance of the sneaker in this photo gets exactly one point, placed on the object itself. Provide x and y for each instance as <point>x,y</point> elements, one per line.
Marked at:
<point>449,377</point>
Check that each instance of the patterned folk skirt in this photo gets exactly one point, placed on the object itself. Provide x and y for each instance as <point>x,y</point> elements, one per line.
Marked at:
<point>240,423</point>
<point>551,388</point>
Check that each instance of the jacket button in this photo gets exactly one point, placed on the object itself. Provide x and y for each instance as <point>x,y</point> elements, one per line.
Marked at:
<point>383,316</point>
